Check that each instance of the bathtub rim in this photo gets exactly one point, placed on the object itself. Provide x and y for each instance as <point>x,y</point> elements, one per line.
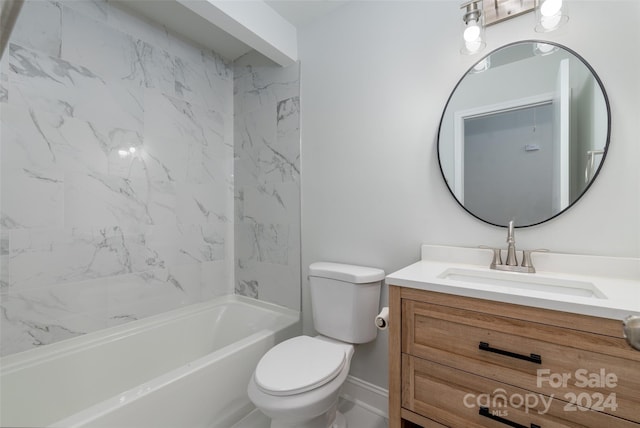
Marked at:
<point>30,357</point>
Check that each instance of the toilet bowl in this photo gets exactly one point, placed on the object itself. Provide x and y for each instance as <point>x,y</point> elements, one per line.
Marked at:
<point>297,383</point>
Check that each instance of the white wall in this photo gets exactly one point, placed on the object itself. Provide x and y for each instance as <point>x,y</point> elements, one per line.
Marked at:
<point>375,77</point>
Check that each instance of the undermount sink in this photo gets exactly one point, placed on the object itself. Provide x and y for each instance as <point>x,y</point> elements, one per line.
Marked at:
<point>524,282</point>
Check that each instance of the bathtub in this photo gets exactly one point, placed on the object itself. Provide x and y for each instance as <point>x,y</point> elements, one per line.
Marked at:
<point>187,368</point>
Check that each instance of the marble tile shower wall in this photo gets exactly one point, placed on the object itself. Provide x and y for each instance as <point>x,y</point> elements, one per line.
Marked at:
<point>267,180</point>
<point>116,172</point>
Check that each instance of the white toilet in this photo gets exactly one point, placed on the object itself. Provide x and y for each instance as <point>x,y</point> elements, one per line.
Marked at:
<point>297,383</point>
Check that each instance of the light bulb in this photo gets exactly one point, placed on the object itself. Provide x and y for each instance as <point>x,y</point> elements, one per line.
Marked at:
<point>550,22</point>
<point>472,32</point>
<point>550,7</point>
<point>473,46</point>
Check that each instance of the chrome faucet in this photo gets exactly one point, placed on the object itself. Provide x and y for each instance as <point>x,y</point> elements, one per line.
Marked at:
<point>511,263</point>
<point>512,259</point>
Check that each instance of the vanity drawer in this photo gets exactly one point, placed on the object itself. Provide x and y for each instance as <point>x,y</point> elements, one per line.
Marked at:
<point>540,358</point>
<point>456,398</point>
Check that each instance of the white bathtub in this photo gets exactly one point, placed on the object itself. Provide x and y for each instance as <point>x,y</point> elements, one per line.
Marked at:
<point>188,368</point>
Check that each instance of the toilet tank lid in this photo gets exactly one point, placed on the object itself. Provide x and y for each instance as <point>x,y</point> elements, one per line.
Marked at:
<point>347,273</point>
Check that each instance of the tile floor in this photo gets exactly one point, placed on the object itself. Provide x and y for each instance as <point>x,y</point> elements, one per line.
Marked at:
<point>357,417</point>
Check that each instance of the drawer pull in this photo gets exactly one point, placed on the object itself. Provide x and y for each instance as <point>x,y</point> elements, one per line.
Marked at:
<point>484,411</point>
<point>534,358</point>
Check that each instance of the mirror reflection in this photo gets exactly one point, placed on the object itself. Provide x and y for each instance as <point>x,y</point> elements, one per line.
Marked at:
<point>524,133</point>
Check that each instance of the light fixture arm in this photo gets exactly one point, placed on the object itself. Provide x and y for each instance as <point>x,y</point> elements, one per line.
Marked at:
<point>472,12</point>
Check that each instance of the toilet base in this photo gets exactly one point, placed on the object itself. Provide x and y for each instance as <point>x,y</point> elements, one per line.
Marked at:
<point>331,419</point>
<point>340,422</point>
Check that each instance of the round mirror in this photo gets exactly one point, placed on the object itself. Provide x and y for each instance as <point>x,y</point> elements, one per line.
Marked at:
<point>524,133</point>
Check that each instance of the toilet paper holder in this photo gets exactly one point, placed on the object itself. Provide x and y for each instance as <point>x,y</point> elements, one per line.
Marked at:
<point>382,320</point>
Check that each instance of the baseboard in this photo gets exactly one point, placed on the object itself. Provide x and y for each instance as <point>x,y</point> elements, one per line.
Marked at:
<point>366,395</point>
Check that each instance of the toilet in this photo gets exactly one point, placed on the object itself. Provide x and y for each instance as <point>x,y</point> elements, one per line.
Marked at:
<point>297,383</point>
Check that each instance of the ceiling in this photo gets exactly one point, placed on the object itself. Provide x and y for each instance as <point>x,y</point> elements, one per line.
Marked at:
<point>303,12</point>
<point>185,22</point>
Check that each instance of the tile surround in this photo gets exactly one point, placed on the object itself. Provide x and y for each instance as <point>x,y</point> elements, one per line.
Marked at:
<point>139,173</point>
<point>267,180</point>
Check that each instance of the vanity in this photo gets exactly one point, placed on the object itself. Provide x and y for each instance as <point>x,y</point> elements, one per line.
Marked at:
<point>536,339</point>
<point>473,347</point>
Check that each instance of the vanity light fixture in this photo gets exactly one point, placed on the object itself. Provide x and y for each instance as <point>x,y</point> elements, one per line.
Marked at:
<point>473,30</point>
<point>478,14</point>
<point>550,15</point>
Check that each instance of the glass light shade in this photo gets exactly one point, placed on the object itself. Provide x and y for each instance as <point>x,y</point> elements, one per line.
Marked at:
<point>550,7</point>
<point>473,30</point>
<point>470,47</point>
<point>550,15</point>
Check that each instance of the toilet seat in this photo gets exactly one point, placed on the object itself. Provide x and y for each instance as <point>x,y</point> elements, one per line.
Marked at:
<point>299,365</point>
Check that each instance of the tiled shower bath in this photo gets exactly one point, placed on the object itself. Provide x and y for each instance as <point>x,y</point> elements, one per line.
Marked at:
<point>139,173</point>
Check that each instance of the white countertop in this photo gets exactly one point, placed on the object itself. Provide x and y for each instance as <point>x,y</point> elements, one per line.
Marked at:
<point>617,278</point>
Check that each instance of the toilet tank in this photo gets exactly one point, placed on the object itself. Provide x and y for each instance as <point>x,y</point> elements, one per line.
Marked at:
<point>344,300</point>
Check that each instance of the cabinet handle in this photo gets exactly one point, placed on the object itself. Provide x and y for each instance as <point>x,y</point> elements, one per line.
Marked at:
<point>534,358</point>
<point>484,411</point>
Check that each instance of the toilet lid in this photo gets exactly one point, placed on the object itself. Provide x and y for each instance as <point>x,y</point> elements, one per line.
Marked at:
<point>298,365</point>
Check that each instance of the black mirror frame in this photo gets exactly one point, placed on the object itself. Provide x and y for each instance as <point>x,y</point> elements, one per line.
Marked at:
<point>606,146</point>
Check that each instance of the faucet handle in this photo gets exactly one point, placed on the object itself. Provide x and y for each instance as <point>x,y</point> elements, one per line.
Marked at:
<point>526,257</point>
<point>510,233</point>
<point>497,255</point>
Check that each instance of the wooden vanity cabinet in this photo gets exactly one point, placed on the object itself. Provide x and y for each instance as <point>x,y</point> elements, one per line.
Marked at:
<point>464,362</point>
